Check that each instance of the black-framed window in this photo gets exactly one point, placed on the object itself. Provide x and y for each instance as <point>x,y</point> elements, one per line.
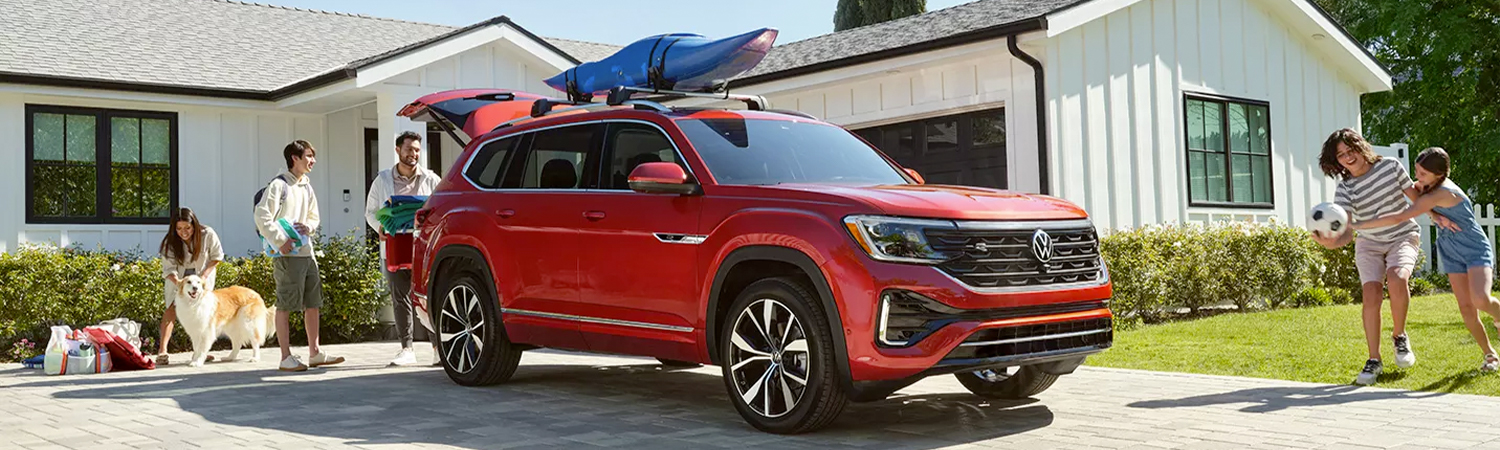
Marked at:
<point>91,165</point>
<point>1228,152</point>
<point>629,145</point>
<point>962,149</point>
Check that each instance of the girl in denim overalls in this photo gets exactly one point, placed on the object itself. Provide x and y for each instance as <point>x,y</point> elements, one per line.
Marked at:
<point>1466,255</point>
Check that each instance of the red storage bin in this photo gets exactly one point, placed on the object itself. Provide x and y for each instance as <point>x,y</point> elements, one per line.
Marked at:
<point>398,251</point>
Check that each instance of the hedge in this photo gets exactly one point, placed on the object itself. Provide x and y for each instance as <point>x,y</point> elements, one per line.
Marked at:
<point>1159,269</point>
<point>47,286</point>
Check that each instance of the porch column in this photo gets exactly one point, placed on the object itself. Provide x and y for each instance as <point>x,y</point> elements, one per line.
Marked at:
<point>387,103</point>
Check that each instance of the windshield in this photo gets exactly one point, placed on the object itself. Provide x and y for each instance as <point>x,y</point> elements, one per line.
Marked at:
<point>763,152</point>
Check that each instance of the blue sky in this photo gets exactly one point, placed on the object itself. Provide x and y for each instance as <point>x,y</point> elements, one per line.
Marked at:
<point>613,22</point>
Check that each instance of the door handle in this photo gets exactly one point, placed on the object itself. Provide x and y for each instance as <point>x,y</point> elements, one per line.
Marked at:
<point>505,213</point>
<point>594,215</point>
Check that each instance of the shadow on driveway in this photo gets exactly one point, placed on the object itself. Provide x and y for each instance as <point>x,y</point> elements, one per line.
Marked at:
<point>1272,399</point>
<point>545,406</point>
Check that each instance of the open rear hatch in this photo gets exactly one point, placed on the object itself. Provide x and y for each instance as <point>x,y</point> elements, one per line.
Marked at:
<point>472,111</point>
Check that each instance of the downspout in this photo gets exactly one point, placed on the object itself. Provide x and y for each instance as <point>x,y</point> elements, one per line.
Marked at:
<point>1041,111</point>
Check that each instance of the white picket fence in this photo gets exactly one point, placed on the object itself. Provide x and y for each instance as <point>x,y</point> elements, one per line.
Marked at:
<point>1487,218</point>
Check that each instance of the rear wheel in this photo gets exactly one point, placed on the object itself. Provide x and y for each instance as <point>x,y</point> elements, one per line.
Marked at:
<point>778,358</point>
<point>1007,383</point>
<point>471,339</point>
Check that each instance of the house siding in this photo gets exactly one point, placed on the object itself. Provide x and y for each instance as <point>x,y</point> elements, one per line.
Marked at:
<point>1115,91</point>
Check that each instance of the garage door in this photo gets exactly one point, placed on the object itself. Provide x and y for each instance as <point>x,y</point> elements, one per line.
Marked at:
<point>963,149</point>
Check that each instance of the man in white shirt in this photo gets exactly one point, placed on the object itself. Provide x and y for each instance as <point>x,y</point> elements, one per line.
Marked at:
<point>408,177</point>
<point>298,284</point>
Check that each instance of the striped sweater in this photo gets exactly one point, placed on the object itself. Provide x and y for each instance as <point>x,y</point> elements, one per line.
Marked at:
<point>1378,193</point>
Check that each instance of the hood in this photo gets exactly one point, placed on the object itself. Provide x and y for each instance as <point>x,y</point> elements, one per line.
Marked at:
<point>952,202</point>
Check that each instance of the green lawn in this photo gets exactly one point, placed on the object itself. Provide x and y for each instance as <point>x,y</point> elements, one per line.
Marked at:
<point>1321,345</point>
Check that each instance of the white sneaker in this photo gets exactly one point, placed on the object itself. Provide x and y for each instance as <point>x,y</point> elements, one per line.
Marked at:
<point>322,359</point>
<point>1405,356</point>
<point>1369,374</point>
<point>437,357</point>
<point>292,364</point>
<point>405,358</point>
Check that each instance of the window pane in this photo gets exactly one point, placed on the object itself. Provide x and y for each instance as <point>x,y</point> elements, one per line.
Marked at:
<point>1199,187</point>
<point>1213,126</point>
<point>1242,179</point>
<point>767,152</point>
<point>1261,166</point>
<point>488,164</point>
<point>989,129</point>
<point>1218,188</point>
<point>125,192</point>
<point>47,137</point>
<point>872,135</point>
<point>125,140</point>
<point>49,190</point>
<point>81,138</point>
<point>1239,129</point>
<point>900,143</point>
<point>942,136</point>
<point>1195,124</point>
<point>633,145</point>
<point>1260,143</point>
<point>156,141</point>
<point>156,193</point>
<point>557,156</point>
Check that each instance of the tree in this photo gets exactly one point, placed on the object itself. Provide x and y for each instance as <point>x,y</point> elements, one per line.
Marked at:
<point>1444,56</point>
<point>858,13</point>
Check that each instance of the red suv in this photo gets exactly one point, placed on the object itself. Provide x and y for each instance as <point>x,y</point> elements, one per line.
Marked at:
<point>809,266</point>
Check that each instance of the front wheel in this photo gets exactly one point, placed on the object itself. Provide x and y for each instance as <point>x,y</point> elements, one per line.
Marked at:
<point>1007,383</point>
<point>779,365</point>
<point>471,339</point>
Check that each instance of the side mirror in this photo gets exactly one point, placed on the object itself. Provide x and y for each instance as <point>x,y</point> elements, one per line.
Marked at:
<point>916,175</point>
<point>661,178</point>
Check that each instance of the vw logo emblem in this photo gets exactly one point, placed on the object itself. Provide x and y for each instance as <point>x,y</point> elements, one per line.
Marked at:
<point>982,247</point>
<point>1041,246</point>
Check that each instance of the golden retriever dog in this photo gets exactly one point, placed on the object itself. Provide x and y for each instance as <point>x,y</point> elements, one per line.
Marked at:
<point>236,311</point>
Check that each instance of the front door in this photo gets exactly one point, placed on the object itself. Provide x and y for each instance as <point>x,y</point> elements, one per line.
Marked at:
<point>638,253</point>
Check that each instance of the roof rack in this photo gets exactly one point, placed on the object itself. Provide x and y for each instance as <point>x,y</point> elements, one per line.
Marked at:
<point>620,96</point>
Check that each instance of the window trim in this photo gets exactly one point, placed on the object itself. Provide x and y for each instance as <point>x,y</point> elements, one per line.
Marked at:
<point>1187,151</point>
<point>102,163</point>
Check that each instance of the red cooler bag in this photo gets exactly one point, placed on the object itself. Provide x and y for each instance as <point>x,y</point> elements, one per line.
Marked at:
<point>124,356</point>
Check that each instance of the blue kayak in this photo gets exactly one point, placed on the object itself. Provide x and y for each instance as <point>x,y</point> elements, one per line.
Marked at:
<point>678,61</point>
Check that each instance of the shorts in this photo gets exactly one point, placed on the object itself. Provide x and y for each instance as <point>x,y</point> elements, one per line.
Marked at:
<point>298,284</point>
<point>1373,258</point>
<point>1459,257</point>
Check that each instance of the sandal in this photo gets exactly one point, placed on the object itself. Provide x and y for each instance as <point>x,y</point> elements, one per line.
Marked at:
<point>161,360</point>
<point>1491,363</point>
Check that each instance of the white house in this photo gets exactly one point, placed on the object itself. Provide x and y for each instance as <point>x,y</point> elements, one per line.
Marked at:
<point>1150,110</point>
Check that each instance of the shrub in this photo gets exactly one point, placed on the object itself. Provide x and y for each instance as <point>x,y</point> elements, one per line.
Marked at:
<point>1341,296</point>
<point>47,286</point>
<point>1420,286</point>
<point>1312,296</point>
<point>1438,280</point>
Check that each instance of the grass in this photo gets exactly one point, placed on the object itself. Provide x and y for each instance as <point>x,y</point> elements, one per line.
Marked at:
<point>1320,345</point>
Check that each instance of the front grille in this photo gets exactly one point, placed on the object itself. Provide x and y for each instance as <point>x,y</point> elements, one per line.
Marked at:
<point>1041,338</point>
<point>1005,258</point>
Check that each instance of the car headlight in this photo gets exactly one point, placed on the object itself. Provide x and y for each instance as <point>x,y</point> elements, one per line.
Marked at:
<point>897,239</point>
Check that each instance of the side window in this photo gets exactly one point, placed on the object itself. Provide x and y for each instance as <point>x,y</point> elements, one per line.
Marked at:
<point>633,144</point>
<point>557,158</point>
<point>488,165</point>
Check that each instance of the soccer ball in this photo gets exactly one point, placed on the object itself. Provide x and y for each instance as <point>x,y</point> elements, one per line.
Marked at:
<point>1328,219</point>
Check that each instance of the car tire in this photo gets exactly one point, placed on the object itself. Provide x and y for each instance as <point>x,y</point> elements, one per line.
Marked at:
<point>676,363</point>
<point>1008,383</point>
<point>786,383</point>
<point>476,351</point>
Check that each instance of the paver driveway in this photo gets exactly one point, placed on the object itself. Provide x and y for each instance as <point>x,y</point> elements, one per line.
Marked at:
<point>566,400</point>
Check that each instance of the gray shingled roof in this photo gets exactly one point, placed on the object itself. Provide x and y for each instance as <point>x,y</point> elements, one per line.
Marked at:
<point>211,44</point>
<point>903,32</point>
